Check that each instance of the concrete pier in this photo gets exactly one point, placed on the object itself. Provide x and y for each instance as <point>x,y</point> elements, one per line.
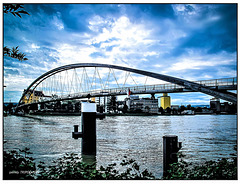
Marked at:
<point>88,117</point>
<point>88,134</point>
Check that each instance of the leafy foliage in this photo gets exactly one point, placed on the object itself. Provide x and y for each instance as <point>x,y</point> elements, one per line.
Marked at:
<point>21,166</point>
<point>14,53</point>
<point>14,9</point>
<point>69,166</point>
<point>223,169</point>
<point>18,166</point>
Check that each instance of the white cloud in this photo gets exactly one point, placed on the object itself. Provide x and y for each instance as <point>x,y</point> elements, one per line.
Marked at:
<point>188,63</point>
<point>34,46</point>
<point>58,22</point>
<point>158,65</point>
<point>17,82</point>
<point>59,25</point>
<point>196,61</point>
<point>129,42</point>
<point>126,37</point>
<point>69,54</point>
<point>97,22</point>
<point>222,72</point>
<point>31,47</point>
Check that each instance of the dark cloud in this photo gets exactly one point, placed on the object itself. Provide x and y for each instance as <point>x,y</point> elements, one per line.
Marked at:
<point>48,9</point>
<point>10,62</point>
<point>150,11</point>
<point>75,17</point>
<point>189,9</point>
<point>105,10</point>
<point>219,35</point>
<point>161,10</point>
<point>11,71</point>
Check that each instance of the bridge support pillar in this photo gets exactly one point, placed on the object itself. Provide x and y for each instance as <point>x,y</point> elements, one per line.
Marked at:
<point>170,148</point>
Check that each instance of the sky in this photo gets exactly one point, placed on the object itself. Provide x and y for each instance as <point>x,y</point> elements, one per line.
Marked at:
<point>189,41</point>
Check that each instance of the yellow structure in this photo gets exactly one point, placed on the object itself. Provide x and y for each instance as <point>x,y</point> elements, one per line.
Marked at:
<point>32,96</point>
<point>93,99</point>
<point>165,101</point>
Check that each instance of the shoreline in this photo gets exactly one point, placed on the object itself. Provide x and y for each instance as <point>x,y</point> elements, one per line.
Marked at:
<point>115,114</point>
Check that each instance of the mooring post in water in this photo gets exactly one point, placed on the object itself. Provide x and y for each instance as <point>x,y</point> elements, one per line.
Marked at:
<point>76,134</point>
<point>88,134</point>
<point>170,148</point>
<point>88,117</point>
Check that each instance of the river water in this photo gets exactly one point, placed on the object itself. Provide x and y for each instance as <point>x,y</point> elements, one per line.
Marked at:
<point>203,137</point>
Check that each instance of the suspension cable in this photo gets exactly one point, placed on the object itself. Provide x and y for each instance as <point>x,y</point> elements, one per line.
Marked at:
<point>115,78</point>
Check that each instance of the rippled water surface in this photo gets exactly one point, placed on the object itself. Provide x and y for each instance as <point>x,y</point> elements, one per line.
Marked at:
<point>203,137</point>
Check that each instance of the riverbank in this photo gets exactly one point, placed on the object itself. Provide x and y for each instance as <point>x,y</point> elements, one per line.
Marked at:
<point>51,113</point>
<point>166,114</point>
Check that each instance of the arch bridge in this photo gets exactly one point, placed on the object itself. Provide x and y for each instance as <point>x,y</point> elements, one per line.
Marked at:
<point>85,80</point>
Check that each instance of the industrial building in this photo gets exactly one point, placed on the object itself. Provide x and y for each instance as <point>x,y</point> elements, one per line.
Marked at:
<point>218,107</point>
<point>103,101</point>
<point>165,101</point>
<point>146,105</point>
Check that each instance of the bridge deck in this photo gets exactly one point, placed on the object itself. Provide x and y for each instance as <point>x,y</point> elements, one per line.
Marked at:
<point>217,84</point>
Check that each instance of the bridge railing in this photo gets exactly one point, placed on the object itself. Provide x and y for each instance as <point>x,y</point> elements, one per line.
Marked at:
<point>166,86</point>
<point>209,83</point>
<point>219,82</point>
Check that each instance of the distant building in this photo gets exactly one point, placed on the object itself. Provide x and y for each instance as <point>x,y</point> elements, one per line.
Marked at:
<point>147,105</point>
<point>103,101</point>
<point>32,96</point>
<point>224,107</point>
<point>165,101</point>
<point>215,104</point>
<point>150,105</point>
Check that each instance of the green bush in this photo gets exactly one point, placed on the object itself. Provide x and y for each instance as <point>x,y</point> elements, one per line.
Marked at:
<point>70,166</point>
<point>18,165</point>
<point>223,169</point>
